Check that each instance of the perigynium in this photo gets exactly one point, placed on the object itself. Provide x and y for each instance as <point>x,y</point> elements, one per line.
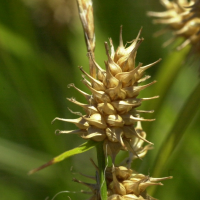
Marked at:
<point>111,112</point>
<point>182,18</point>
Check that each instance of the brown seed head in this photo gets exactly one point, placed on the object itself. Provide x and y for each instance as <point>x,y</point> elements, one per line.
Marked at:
<point>125,184</point>
<point>111,112</point>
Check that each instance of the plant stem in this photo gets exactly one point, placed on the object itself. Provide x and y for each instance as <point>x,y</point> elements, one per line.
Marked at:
<point>101,166</point>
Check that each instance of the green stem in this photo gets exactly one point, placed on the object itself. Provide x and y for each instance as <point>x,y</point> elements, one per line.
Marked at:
<point>101,165</point>
<point>186,115</point>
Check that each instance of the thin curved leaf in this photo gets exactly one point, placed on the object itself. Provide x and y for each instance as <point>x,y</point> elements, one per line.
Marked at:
<point>165,77</point>
<point>78,150</point>
<point>186,115</point>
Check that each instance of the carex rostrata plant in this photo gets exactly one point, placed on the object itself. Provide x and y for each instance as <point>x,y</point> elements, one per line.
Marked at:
<point>112,119</point>
<point>182,18</point>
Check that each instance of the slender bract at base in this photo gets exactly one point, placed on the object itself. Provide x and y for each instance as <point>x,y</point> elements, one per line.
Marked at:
<point>81,149</point>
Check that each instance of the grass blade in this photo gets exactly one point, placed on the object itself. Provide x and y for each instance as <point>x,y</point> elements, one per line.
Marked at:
<point>186,115</point>
<point>81,149</point>
<point>165,77</point>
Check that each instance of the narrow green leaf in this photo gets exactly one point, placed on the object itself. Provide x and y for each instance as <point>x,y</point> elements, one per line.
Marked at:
<point>81,149</point>
<point>101,165</point>
<point>165,77</point>
<point>186,115</point>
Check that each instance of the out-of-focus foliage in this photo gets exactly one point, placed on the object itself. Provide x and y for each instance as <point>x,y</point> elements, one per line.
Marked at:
<point>39,60</point>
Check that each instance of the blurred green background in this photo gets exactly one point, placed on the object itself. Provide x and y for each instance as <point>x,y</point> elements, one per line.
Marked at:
<point>41,47</point>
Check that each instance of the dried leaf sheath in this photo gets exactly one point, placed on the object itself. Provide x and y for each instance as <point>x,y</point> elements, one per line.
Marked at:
<point>111,114</point>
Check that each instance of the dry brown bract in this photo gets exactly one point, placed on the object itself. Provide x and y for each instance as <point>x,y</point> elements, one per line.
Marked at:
<point>111,113</point>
